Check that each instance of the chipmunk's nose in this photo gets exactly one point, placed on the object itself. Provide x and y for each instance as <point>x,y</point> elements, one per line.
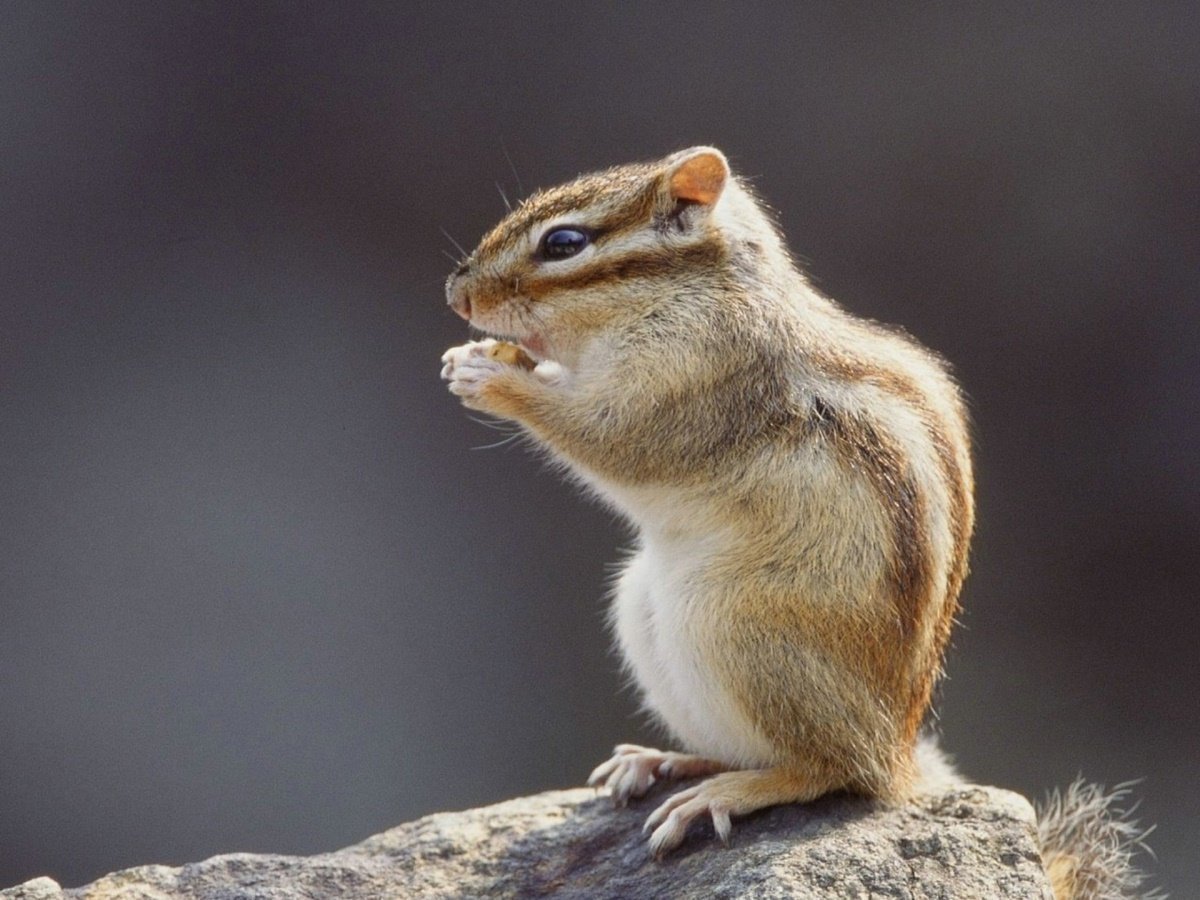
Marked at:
<point>461,304</point>
<point>457,296</point>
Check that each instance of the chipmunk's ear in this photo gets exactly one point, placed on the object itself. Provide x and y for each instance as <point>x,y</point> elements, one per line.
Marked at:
<point>697,175</point>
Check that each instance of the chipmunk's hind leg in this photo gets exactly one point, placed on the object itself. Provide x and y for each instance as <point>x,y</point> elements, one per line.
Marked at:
<point>632,770</point>
<point>724,796</point>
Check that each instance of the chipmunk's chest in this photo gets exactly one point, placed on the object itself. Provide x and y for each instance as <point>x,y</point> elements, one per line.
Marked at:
<point>661,615</point>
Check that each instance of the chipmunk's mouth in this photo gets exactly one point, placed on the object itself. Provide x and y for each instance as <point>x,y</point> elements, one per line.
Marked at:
<point>495,324</point>
<point>533,344</point>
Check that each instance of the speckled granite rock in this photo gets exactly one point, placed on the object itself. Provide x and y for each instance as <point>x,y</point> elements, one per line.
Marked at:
<point>973,842</point>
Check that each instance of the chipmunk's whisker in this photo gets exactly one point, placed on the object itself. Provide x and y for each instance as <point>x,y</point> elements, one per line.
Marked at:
<point>457,246</point>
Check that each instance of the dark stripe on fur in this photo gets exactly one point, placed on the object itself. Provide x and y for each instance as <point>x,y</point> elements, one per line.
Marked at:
<point>945,438</point>
<point>665,261</point>
<point>879,458</point>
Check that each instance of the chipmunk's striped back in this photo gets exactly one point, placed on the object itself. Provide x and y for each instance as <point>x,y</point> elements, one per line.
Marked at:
<point>901,424</point>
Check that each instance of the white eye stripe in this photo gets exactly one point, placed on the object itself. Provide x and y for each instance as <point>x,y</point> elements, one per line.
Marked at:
<point>639,241</point>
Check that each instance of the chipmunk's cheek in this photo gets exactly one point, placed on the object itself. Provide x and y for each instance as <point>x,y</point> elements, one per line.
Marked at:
<point>535,346</point>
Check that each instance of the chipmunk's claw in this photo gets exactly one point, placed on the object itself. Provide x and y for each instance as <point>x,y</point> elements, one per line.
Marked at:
<point>628,773</point>
<point>671,820</point>
<point>632,770</point>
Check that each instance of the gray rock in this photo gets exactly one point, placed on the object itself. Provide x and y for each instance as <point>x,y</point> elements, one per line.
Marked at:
<point>967,843</point>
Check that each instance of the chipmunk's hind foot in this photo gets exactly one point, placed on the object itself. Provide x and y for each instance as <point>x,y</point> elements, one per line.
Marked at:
<point>632,770</point>
<point>722,797</point>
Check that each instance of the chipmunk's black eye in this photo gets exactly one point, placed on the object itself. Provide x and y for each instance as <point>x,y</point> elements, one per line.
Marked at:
<point>563,242</point>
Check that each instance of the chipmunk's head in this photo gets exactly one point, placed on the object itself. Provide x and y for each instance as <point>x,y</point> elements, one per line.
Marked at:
<point>583,257</point>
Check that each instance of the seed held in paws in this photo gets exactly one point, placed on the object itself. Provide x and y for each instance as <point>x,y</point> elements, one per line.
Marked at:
<point>511,354</point>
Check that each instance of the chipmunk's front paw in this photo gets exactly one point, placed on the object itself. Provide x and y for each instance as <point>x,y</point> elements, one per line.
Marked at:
<point>469,368</point>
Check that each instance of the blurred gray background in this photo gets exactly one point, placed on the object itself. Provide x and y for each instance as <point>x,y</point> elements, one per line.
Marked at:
<point>259,591</point>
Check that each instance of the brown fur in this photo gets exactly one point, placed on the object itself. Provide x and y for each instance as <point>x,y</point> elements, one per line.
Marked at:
<point>815,468</point>
<point>629,183</point>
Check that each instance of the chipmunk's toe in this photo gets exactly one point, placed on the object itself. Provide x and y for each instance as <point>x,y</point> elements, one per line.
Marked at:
<point>671,820</point>
<point>724,796</point>
<point>628,773</point>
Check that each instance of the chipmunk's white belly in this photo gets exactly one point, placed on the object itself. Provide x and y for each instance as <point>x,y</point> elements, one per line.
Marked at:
<point>659,609</point>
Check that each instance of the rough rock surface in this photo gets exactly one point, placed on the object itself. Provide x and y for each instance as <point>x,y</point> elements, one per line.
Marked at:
<point>972,842</point>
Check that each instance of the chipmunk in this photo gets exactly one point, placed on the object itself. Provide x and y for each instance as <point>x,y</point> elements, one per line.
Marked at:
<point>800,480</point>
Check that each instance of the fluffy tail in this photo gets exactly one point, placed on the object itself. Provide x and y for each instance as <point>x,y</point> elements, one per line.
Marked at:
<point>1088,842</point>
<point>1087,838</point>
